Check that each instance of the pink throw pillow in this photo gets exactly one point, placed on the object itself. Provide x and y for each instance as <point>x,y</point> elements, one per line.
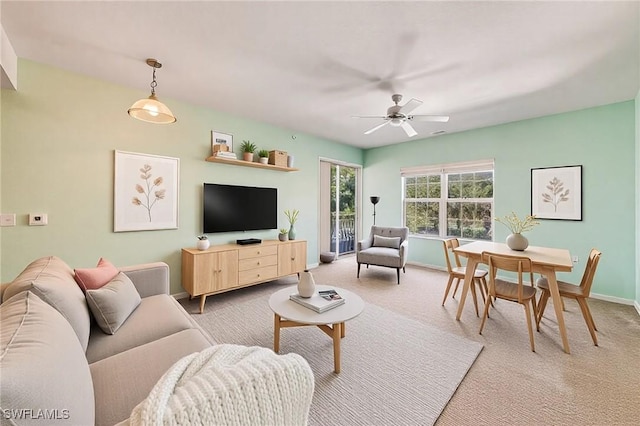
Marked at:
<point>94,278</point>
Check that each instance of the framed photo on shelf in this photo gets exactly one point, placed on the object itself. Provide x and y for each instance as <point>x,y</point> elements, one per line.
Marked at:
<point>556,193</point>
<point>219,138</point>
<point>145,195</point>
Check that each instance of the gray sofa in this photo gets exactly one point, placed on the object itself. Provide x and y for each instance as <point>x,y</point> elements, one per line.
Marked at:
<point>385,246</point>
<point>58,367</point>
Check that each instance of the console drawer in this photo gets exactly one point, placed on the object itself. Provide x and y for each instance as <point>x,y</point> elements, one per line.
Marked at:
<point>257,251</point>
<point>257,262</point>
<point>257,274</point>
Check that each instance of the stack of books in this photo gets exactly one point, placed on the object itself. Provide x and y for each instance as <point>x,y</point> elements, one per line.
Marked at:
<point>225,154</point>
<point>320,302</point>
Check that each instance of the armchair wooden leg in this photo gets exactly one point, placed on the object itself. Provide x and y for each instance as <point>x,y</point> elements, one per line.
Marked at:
<point>398,270</point>
<point>358,276</point>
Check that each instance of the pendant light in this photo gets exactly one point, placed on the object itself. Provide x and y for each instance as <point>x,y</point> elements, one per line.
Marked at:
<point>151,109</point>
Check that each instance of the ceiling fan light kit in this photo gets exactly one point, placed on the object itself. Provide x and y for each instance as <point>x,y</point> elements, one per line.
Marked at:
<point>151,109</point>
<point>398,116</point>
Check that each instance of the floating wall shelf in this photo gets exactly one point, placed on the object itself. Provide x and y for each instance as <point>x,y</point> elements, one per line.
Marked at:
<point>250,164</point>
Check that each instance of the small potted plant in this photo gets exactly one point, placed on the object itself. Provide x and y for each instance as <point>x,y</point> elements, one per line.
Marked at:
<point>203,242</point>
<point>282,236</point>
<point>247,148</point>
<point>264,156</point>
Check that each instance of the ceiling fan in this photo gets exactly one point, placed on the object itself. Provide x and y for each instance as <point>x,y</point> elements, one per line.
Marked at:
<point>398,116</point>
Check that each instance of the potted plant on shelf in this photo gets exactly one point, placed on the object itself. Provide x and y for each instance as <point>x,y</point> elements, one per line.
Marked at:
<point>264,156</point>
<point>292,215</point>
<point>247,148</point>
<point>282,236</point>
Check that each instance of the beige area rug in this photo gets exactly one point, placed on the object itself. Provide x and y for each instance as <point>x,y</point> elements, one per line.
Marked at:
<point>390,364</point>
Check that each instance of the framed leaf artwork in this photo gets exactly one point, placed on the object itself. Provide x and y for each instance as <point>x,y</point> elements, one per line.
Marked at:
<point>556,193</point>
<point>145,192</point>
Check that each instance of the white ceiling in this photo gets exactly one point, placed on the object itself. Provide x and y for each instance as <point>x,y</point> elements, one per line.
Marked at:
<point>310,66</point>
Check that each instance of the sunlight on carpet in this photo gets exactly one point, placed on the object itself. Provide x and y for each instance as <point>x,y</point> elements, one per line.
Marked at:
<point>394,370</point>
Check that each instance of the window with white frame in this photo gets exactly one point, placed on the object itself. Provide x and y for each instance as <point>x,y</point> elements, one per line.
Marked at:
<point>449,200</point>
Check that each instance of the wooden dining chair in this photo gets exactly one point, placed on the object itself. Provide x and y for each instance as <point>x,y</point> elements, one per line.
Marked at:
<point>457,273</point>
<point>578,292</point>
<point>514,291</point>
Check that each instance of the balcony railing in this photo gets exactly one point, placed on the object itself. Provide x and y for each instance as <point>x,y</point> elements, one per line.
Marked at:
<point>346,233</point>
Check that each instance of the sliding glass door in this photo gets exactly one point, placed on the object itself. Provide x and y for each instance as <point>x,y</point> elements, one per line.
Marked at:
<point>339,221</point>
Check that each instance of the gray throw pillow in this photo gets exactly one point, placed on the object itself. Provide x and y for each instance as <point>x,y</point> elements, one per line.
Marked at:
<point>391,242</point>
<point>51,279</point>
<point>112,303</point>
<point>44,367</point>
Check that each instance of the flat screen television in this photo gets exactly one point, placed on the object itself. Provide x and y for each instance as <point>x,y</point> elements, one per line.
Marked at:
<point>239,208</point>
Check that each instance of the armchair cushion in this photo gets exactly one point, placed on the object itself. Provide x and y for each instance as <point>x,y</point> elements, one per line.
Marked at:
<point>391,242</point>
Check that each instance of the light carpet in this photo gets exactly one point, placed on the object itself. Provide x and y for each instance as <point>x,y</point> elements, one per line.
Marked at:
<point>392,366</point>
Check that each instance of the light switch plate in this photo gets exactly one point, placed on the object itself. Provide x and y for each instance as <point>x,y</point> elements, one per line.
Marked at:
<point>38,219</point>
<point>8,219</point>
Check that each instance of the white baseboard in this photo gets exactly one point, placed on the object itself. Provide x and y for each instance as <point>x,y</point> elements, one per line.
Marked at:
<point>637,306</point>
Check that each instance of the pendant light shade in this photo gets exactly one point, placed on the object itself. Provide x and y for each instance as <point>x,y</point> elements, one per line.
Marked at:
<point>151,109</point>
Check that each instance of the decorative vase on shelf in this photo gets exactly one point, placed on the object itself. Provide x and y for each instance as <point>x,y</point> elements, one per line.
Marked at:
<point>290,159</point>
<point>306,285</point>
<point>292,232</point>
<point>517,242</point>
<point>203,244</point>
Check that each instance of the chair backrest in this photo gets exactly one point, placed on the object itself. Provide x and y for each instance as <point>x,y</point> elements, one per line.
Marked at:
<point>449,245</point>
<point>590,272</point>
<point>518,264</point>
<point>390,231</point>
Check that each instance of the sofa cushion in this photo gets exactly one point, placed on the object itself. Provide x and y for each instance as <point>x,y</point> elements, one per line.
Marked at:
<point>156,317</point>
<point>44,369</point>
<point>122,381</point>
<point>93,278</point>
<point>112,303</point>
<point>390,242</point>
<point>51,279</point>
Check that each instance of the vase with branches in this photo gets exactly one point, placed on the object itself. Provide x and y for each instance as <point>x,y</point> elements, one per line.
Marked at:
<point>292,216</point>
<point>515,240</point>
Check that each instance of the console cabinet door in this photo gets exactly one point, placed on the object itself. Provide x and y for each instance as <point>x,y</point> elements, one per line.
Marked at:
<point>226,275</point>
<point>210,272</point>
<point>292,257</point>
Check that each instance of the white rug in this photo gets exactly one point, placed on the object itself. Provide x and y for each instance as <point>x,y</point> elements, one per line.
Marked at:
<point>395,371</point>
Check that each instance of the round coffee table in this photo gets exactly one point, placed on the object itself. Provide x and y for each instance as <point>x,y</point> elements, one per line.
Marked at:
<point>288,313</point>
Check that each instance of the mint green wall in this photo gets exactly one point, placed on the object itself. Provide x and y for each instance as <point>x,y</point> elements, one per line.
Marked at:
<point>59,132</point>
<point>600,139</point>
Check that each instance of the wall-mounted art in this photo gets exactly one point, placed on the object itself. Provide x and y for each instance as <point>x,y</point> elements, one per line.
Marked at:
<point>145,192</point>
<point>556,193</point>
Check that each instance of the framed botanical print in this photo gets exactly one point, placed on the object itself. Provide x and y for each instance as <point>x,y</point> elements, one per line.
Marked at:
<point>145,192</point>
<point>556,193</point>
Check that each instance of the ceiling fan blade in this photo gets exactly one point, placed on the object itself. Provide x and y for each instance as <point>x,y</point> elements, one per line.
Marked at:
<point>407,128</point>
<point>379,117</point>
<point>437,118</point>
<point>410,106</point>
<point>368,132</point>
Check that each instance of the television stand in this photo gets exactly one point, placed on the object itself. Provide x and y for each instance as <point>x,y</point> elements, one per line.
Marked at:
<point>246,241</point>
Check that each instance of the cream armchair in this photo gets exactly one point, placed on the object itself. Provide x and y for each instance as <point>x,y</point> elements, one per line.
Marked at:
<point>386,246</point>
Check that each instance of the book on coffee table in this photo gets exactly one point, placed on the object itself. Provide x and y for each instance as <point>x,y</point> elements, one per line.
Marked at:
<point>317,302</point>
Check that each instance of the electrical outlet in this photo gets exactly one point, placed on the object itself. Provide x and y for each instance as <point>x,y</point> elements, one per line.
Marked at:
<point>38,219</point>
<point>575,259</point>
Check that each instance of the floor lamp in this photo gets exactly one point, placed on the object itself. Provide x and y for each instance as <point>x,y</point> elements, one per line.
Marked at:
<point>375,200</point>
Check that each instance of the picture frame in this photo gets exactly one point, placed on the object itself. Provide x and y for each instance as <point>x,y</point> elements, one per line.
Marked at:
<point>219,138</point>
<point>556,193</point>
<point>145,195</point>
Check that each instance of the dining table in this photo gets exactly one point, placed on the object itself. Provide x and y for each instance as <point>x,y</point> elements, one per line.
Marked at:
<point>544,260</point>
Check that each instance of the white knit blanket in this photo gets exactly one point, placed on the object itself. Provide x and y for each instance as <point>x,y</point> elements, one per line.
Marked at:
<point>230,385</point>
